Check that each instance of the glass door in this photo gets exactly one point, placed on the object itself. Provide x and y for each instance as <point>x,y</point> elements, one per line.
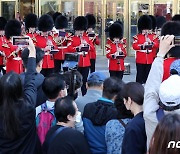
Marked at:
<point>163,8</point>
<point>48,6</point>
<point>137,9</point>
<point>8,9</point>
<point>26,7</point>
<point>95,8</point>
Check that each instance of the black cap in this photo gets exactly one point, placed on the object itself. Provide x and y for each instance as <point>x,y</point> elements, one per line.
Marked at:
<point>3,23</point>
<point>115,31</point>
<point>144,23</point>
<point>91,21</point>
<point>61,22</point>
<point>31,21</point>
<point>80,23</point>
<point>45,23</point>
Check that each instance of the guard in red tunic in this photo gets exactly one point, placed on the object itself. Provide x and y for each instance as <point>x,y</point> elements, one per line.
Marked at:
<point>116,50</point>
<point>46,43</point>
<point>61,39</point>
<point>145,43</point>
<point>3,22</point>
<point>94,38</point>
<point>13,55</point>
<point>79,43</point>
<point>171,28</point>
<point>31,22</point>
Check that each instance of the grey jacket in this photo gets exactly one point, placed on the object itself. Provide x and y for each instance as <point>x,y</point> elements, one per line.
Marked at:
<point>151,98</point>
<point>92,95</point>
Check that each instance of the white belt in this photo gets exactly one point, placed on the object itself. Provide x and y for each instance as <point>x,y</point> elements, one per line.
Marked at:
<point>17,58</point>
<point>145,51</point>
<point>82,53</point>
<point>46,53</point>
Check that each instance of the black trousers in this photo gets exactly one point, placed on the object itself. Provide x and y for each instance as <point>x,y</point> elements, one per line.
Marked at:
<point>57,65</point>
<point>118,74</point>
<point>46,72</point>
<point>92,67</point>
<point>2,69</point>
<point>142,72</point>
<point>84,72</point>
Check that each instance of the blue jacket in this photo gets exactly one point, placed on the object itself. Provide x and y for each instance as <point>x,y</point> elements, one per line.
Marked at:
<point>95,117</point>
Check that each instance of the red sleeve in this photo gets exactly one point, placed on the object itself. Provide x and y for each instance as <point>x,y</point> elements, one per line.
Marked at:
<point>136,45</point>
<point>70,47</point>
<point>108,51</point>
<point>97,41</point>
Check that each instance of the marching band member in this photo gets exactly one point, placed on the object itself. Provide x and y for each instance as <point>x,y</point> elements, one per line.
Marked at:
<point>61,39</point>
<point>145,44</point>
<point>76,44</point>
<point>3,22</point>
<point>31,22</point>
<point>46,42</point>
<point>13,57</point>
<point>116,50</point>
<point>94,38</point>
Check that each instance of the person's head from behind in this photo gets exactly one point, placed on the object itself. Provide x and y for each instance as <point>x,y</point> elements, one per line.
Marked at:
<point>121,108</point>
<point>175,67</point>
<point>166,131</point>
<point>39,58</point>
<point>95,81</point>
<point>111,87</point>
<point>10,93</point>
<point>133,94</point>
<point>172,28</point>
<point>66,111</point>
<point>74,80</point>
<point>176,17</point>
<point>54,87</point>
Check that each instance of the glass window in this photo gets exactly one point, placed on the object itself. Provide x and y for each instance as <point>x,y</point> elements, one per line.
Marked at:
<point>8,9</point>
<point>48,6</point>
<point>138,8</point>
<point>26,7</point>
<point>163,8</point>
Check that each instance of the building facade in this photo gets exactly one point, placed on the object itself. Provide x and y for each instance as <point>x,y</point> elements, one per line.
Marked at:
<point>128,11</point>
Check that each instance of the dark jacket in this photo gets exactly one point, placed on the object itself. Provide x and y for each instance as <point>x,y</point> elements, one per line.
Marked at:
<point>39,78</point>
<point>25,143</point>
<point>95,117</point>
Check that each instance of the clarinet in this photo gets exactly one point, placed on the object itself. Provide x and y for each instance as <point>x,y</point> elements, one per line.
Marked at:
<point>82,42</point>
<point>117,50</point>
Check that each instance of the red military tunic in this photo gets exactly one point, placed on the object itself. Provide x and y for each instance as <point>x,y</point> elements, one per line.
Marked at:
<point>62,46</point>
<point>2,53</point>
<point>13,61</point>
<point>95,41</point>
<point>48,60</point>
<point>144,56</point>
<point>32,36</point>
<point>111,48</point>
<point>167,64</point>
<point>84,61</point>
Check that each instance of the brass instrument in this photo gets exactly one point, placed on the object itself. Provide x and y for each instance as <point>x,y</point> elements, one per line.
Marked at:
<point>119,51</point>
<point>149,43</point>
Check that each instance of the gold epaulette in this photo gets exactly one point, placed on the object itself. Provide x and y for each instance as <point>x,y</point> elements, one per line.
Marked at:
<point>155,37</point>
<point>124,46</point>
<point>108,46</point>
<point>5,45</point>
<point>135,37</point>
<point>68,35</point>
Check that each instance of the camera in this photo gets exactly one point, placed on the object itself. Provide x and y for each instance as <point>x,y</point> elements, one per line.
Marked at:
<point>20,40</point>
<point>177,40</point>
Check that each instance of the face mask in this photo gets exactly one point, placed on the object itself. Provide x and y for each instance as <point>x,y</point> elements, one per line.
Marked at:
<point>78,116</point>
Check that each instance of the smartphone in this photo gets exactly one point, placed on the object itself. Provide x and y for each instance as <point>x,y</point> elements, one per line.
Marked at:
<point>177,40</point>
<point>62,34</point>
<point>20,40</point>
<point>91,34</point>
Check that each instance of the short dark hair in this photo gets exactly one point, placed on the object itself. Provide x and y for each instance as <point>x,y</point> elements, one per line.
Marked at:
<point>94,84</point>
<point>52,85</point>
<point>121,108</point>
<point>25,55</point>
<point>135,91</point>
<point>63,108</point>
<point>111,87</point>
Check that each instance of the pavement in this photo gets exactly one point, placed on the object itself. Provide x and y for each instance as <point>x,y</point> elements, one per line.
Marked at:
<point>102,65</point>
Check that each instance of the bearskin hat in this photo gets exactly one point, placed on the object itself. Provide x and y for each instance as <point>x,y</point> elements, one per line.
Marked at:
<point>153,19</point>
<point>144,22</point>
<point>31,21</point>
<point>3,23</point>
<point>55,15</point>
<point>115,31</point>
<point>176,17</point>
<point>80,23</point>
<point>172,28</point>
<point>160,20</point>
<point>91,21</point>
<point>61,22</point>
<point>45,23</point>
<point>12,28</point>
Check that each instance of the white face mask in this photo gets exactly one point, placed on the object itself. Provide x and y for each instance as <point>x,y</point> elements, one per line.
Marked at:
<point>78,117</point>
